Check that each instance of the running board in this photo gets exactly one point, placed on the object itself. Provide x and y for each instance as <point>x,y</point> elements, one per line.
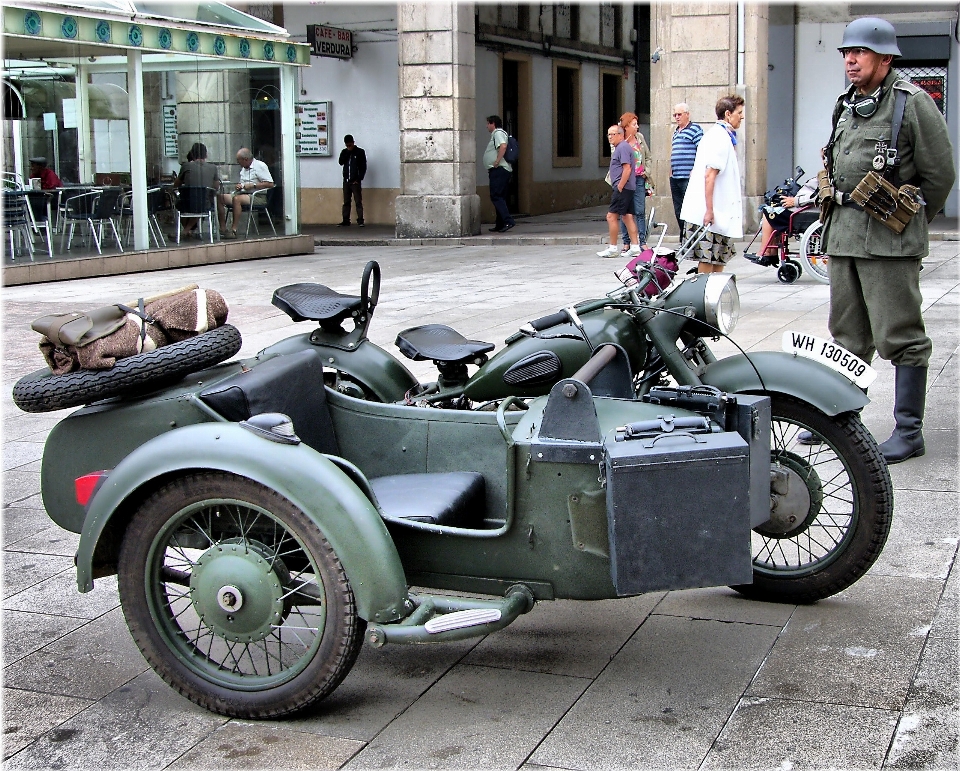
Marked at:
<point>444,619</point>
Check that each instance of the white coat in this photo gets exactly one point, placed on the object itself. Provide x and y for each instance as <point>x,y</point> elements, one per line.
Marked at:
<point>716,151</point>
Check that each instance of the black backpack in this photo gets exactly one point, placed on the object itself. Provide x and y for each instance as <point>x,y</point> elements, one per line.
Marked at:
<point>512,151</point>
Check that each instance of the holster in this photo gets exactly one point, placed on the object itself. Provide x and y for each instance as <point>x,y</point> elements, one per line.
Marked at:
<point>892,206</point>
<point>824,194</point>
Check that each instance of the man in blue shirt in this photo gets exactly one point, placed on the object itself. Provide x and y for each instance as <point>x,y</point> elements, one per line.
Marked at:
<point>683,152</point>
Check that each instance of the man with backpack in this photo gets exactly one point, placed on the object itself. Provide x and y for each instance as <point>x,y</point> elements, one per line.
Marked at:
<point>499,171</point>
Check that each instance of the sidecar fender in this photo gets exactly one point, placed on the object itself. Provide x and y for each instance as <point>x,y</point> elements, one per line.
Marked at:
<point>780,372</point>
<point>345,516</point>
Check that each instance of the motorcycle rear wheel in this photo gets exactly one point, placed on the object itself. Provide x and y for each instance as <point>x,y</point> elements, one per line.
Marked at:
<point>235,598</point>
<point>812,253</point>
<point>843,513</point>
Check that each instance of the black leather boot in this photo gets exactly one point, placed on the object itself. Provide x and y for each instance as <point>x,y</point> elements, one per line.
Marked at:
<point>906,441</point>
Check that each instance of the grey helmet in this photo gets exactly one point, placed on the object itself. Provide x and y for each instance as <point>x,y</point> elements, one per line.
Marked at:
<point>870,32</point>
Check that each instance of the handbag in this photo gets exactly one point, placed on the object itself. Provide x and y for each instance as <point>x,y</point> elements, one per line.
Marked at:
<point>608,180</point>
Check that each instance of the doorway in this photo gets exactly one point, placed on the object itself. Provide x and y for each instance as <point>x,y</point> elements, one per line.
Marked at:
<point>510,89</point>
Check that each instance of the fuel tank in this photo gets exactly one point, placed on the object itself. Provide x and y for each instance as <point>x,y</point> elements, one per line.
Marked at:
<point>530,366</point>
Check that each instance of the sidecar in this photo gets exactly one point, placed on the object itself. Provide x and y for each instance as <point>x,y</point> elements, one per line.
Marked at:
<point>262,524</point>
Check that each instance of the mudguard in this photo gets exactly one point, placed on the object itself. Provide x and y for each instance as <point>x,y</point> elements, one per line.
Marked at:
<point>368,364</point>
<point>306,478</point>
<point>780,372</point>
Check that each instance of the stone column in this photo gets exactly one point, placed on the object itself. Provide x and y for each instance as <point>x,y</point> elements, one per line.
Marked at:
<point>698,65</point>
<point>438,155</point>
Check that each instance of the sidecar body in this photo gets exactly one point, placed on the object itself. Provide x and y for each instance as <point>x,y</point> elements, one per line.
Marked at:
<point>553,497</point>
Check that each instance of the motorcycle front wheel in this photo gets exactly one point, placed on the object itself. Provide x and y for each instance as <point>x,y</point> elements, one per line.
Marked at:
<point>235,598</point>
<point>834,505</point>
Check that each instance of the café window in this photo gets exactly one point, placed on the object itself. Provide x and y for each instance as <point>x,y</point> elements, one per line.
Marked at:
<point>566,90</point>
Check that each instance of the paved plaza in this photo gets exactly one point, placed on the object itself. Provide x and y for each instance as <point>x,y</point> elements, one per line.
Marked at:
<point>673,680</point>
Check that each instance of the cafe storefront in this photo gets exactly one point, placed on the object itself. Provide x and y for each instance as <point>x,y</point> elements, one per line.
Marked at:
<point>115,93</point>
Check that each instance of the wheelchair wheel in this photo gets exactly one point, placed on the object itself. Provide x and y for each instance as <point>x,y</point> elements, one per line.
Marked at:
<point>810,251</point>
<point>788,272</point>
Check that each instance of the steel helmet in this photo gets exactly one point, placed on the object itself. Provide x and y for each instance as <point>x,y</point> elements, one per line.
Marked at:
<point>870,32</point>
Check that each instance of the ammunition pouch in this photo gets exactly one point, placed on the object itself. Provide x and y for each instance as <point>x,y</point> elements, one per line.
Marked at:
<point>824,194</point>
<point>893,207</point>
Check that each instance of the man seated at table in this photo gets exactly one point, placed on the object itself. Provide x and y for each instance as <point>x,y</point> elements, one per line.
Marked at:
<point>196,172</point>
<point>254,175</point>
<point>48,179</point>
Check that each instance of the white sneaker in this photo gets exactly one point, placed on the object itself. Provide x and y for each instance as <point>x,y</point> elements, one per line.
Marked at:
<point>633,251</point>
<point>610,251</point>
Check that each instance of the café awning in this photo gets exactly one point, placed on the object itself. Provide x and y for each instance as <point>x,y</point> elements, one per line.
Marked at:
<point>215,30</point>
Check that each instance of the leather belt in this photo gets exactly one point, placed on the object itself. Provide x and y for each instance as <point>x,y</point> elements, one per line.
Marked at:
<point>844,199</point>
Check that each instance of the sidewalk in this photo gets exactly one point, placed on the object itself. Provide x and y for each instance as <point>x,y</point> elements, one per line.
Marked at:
<point>694,680</point>
<point>580,226</point>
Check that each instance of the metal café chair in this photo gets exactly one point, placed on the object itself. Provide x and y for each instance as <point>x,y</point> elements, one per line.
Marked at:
<point>97,208</point>
<point>17,224</point>
<point>261,202</point>
<point>41,210</point>
<point>156,202</point>
<point>199,202</point>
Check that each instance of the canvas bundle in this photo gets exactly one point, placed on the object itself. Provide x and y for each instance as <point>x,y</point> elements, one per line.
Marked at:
<point>96,339</point>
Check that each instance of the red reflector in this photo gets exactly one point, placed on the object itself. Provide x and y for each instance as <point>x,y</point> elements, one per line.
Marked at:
<point>85,485</point>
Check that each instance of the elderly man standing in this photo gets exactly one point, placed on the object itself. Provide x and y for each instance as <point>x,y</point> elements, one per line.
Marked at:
<point>683,152</point>
<point>885,123</point>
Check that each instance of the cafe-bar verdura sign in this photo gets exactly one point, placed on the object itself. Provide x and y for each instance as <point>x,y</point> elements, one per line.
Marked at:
<point>330,41</point>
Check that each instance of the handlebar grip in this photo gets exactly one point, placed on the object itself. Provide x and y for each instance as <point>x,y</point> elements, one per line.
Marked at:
<point>590,306</point>
<point>545,322</point>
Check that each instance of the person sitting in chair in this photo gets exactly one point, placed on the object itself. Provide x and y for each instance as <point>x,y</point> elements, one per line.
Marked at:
<point>254,175</point>
<point>196,172</point>
<point>48,178</point>
<point>776,219</point>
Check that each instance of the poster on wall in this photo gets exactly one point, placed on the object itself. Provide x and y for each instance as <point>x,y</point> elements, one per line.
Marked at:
<point>313,128</point>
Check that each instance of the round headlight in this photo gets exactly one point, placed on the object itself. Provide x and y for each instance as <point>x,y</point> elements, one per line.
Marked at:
<point>721,301</point>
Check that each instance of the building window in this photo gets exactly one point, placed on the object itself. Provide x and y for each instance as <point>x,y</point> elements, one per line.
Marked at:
<point>931,77</point>
<point>566,89</point>
<point>610,25</point>
<point>566,21</point>
<point>611,108</point>
<point>513,17</point>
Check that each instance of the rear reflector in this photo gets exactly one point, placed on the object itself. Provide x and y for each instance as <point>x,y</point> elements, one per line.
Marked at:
<point>86,485</point>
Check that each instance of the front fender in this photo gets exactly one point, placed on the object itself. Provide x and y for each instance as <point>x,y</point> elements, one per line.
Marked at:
<point>828,391</point>
<point>345,516</point>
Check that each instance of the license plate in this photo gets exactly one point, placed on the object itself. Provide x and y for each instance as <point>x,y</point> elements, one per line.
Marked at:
<point>830,355</point>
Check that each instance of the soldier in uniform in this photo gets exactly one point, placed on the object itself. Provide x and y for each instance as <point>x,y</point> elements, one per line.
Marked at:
<point>875,272</point>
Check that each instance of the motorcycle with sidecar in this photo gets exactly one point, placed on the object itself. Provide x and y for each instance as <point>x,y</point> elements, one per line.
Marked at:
<point>265,516</point>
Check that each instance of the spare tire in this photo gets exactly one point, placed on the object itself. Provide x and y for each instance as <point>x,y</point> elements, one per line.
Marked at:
<point>45,392</point>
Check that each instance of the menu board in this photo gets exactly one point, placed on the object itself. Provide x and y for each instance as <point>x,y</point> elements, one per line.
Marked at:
<point>312,124</point>
<point>170,149</point>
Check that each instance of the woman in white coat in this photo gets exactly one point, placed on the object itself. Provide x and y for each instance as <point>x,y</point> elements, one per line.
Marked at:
<point>713,196</point>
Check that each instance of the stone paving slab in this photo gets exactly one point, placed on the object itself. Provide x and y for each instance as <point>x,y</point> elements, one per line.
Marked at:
<point>476,717</point>
<point>28,716</point>
<point>662,701</point>
<point>775,733</point>
<point>858,648</point>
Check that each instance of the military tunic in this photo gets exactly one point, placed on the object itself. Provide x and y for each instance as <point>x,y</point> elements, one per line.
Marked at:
<point>875,273</point>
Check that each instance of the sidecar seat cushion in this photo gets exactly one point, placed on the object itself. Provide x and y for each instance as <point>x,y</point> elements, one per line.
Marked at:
<point>438,342</point>
<point>290,383</point>
<point>455,498</point>
<point>315,302</point>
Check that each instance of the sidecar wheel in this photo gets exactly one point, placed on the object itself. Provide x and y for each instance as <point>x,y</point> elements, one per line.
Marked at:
<point>832,527</point>
<point>42,391</point>
<point>235,598</point>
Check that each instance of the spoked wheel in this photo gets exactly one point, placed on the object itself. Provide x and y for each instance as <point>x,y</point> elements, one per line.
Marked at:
<point>832,504</point>
<point>235,597</point>
<point>812,253</point>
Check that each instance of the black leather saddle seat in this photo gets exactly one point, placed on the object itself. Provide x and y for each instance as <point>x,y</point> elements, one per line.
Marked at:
<point>315,302</point>
<point>437,342</point>
<point>293,384</point>
<point>454,499</point>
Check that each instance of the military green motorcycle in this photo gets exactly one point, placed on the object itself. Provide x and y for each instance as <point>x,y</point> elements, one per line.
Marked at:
<point>266,516</point>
